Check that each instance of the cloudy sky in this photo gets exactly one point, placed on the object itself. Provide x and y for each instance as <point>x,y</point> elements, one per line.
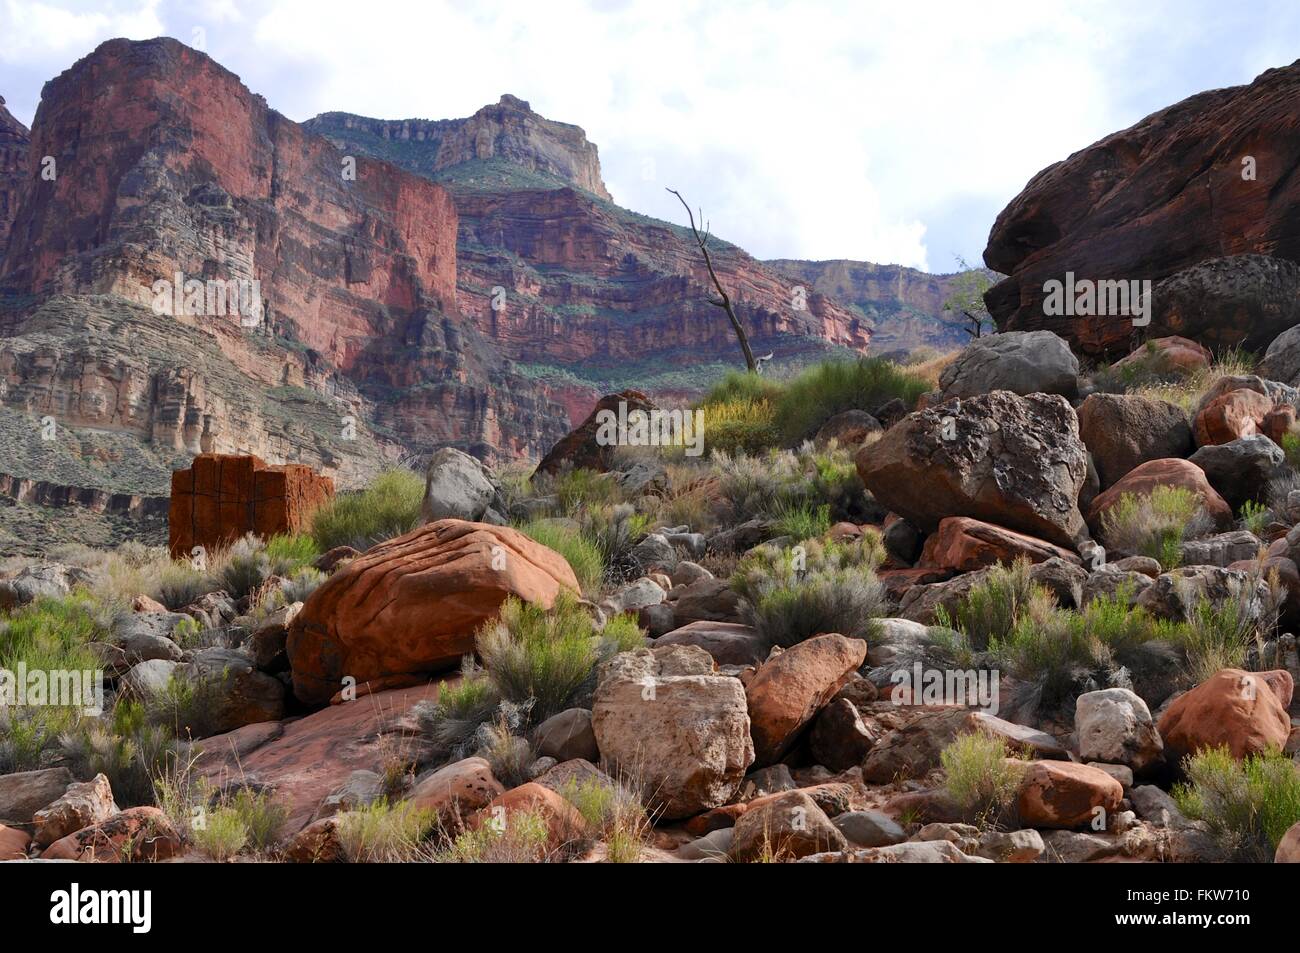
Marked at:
<point>882,131</point>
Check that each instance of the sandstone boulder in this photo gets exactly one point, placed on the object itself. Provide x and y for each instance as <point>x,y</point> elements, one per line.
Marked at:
<point>14,843</point>
<point>457,790</point>
<point>136,835</point>
<point>1237,300</point>
<point>1245,711</point>
<point>582,448</point>
<point>1064,794</point>
<point>664,715</point>
<point>792,686</point>
<point>84,803</point>
<point>730,643</point>
<point>1174,595</point>
<point>848,429</point>
<point>1170,356</point>
<point>32,582</point>
<point>306,759</point>
<point>1012,461</point>
<point>1288,848</point>
<point>1231,416</point>
<point>412,604</point>
<point>1148,201</point>
<point>1281,361</point>
<point>221,497</point>
<point>566,736</point>
<point>784,826</point>
<point>457,486</point>
<point>839,738</point>
<point>962,544</point>
<point>1142,479</point>
<point>24,793</point>
<point>232,691</point>
<point>564,825</point>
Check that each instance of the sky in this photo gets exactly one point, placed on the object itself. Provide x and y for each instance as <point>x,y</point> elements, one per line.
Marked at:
<point>878,131</point>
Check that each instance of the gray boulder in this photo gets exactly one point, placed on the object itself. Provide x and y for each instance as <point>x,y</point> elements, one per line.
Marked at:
<point>1241,469</point>
<point>1023,362</point>
<point>459,487</point>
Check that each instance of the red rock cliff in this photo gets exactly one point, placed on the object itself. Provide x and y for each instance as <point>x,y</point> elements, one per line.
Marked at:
<point>166,162</point>
<point>15,142</point>
<point>1211,176</point>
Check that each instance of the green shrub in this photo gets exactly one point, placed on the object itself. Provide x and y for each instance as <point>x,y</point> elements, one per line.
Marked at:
<point>1216,635</point>
<point>575,490</point>
<point>127,750</point>
<point>537,657</point>
<point>221,834</point>
<point>803,521</point>
<point>993,606</point>
<point>384,833</point>
<point>614,529</point>
<point>48,635</point>
<point>740,414</point>
<point>1248,805</point>
<point>1255,517</point>
<point>621,634</point>
<point>1155,524</point>
<point>262,816</point>
<point>453,720</point>
<point>980,775</point>
<point>242,567</point>
<point>821,392</point>
<point>508,754</point>
<point>583,556</point>
<point>612,813</point>
<point>179,583</point>
<point>288,554</point>
<point>523,837</point>
<point>301,584</point>
<point>792,594</point>
<point>389,507</point>
<point>1291,447</point>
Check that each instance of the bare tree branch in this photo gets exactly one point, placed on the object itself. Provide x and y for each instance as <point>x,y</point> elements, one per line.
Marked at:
<point>723,300</point>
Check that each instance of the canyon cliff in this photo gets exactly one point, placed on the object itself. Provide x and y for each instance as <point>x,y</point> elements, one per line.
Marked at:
<point>903,306</point>
<point>584,295</point>
<point>166,166</point>
<point>15,143</point>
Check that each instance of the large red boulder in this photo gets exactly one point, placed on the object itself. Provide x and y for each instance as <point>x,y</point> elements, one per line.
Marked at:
<point>1141,480</point>
<point>1238,413</point>
<point>791,687</point>
<point>221,497</point>
<point>963,544</point>
<point>412,604</point>
<point>136,835</point>
<point>1064,794</point>
<point>1246,711</point>
<point>304,760</point>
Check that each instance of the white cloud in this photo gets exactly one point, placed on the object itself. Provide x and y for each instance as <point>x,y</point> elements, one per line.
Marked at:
<point>886,132</point>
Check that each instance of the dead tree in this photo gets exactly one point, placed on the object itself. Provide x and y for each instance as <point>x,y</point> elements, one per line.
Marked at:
<point>723,300</point>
